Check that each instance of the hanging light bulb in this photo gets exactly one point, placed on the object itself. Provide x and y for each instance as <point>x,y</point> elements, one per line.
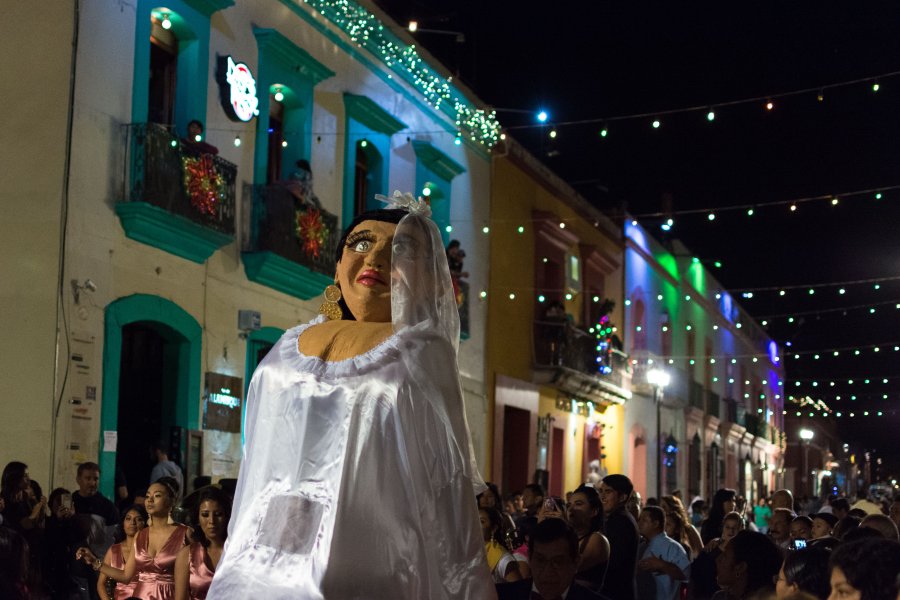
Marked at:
<point>656,124</point>
<point>237,141</point>
<point>284,143</point>
<point>553,134</point>
<point>711,115</point>
<point>604,132</point>
<point>166,22</point>
<point>875,87</point>
<point>279,95</point>
<point>363,143</point>
<point>821,96</point>
<point>458,139</point>
<point>770,105</point>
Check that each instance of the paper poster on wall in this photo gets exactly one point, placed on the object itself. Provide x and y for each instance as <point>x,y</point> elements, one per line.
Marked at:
<point>110,441</point>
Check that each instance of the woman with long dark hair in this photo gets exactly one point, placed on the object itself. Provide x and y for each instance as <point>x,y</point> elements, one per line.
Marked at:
<point>585,515</point>
<point>19,512</point>
<point>722,504</point>
<point>133,521</point>
<point>196,564</point>
<point>356,435</point>
<point>501,562</point>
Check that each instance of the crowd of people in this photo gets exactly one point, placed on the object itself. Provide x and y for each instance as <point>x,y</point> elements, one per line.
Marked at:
<point>601,541</point>
<point>78,545</point>
<point>624,549</point>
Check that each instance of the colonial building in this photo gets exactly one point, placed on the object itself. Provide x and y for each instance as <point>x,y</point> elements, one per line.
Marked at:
<point>557,377</point>
<point>170,255</point>
<point>719,421</point>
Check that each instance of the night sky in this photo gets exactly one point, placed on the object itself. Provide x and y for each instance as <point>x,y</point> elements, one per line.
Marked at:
<point>595,60</point>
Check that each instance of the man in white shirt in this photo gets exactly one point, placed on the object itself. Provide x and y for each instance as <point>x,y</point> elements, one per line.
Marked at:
<point>663,557</point>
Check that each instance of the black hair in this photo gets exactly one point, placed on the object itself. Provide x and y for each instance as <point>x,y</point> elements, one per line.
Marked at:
<point>593,498</point>
<point>536,489</point>
<point>861,533</point>
<point>620,483</point>
<point>87,466</point>
<point>141,511</point>
<point>11,481</point>
<point>453,244</point>
<point>55,496</point>
<point>171,486</point>
<point>870,566</point>
<point>808,570</point>
<point>827,517</point>
<point>304,164</point>
<point>760,554</point>
<point>802,519</point>
<point>844,526</point>
<point>491,489</point>
<point>840,504</point>
<point>712,526</point>
<point>379,214</point>
<point>496,521</point>
<point>214,494</point>
<point>550,530</point>
<point>198,122</point>
<point>657,515</point>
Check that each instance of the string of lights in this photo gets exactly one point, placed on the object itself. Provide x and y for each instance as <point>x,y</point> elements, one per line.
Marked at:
<point>791,316</point>
<point>814,286</point>
<point>751,208</point>
<point>767,102</point>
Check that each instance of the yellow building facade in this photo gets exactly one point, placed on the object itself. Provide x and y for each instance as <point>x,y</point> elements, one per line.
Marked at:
<point>556,377</point>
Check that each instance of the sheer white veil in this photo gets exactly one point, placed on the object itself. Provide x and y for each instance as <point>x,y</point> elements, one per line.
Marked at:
<point>421,289</point>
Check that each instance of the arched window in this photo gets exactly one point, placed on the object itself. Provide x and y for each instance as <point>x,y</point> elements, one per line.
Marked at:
<point>694,464</point>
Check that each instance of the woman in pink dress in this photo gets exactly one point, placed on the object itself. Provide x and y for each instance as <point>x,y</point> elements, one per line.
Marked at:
<point>196,564</point>
<point>155,550</point>
<point>117,556</point>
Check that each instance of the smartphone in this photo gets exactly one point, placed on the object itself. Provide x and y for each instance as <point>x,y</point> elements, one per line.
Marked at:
<point>798,544</point>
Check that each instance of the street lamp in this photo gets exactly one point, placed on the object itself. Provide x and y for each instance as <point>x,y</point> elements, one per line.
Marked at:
<point>806,435</point>
<point>659,379</point>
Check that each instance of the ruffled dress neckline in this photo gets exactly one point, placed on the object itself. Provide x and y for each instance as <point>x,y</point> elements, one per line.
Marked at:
<point>387,350</point>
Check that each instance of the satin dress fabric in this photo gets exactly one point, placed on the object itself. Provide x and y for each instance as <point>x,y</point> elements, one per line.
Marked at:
<point>201,575</point>
<point>156,575</point>
<point>358,480</point>
<point>117,561</point>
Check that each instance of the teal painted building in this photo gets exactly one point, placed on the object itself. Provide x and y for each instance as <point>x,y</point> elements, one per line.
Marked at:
<point>189,248</point>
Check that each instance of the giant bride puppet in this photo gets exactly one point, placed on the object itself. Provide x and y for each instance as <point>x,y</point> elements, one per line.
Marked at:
<point>358,478</point>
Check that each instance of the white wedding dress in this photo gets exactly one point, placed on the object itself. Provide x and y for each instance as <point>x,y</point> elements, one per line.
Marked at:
<point>358,479</point>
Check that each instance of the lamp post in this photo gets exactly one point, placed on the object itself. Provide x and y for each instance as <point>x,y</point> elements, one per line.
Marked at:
<point>659,379</point>
<point>806,435</point>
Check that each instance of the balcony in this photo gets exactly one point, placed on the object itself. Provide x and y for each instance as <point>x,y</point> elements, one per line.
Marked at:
<point>756,426</point>
<point>577,367</point>
<point>178,198</point>
<point>290,243</point>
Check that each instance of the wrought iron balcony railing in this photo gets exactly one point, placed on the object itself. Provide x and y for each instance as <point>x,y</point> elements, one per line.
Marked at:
<point>561,344</point>
<point>180,178</point>
<point>283,223</point>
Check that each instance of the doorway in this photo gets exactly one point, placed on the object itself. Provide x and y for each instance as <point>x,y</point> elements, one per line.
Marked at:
<point>137,328</point>
<point>145,398</point>
<point>516,436</point>
<point>557,462</point>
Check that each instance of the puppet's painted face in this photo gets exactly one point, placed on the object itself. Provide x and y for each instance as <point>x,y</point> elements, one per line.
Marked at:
<point>364,271</point>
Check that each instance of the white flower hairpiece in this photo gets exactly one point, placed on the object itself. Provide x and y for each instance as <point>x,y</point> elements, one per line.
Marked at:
<point>415,206</point>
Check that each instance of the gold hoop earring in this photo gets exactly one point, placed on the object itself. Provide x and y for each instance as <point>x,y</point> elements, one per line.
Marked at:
<point>330,308</point>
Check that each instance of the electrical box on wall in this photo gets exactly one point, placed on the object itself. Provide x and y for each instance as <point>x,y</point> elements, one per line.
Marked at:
<point>249,320</point>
